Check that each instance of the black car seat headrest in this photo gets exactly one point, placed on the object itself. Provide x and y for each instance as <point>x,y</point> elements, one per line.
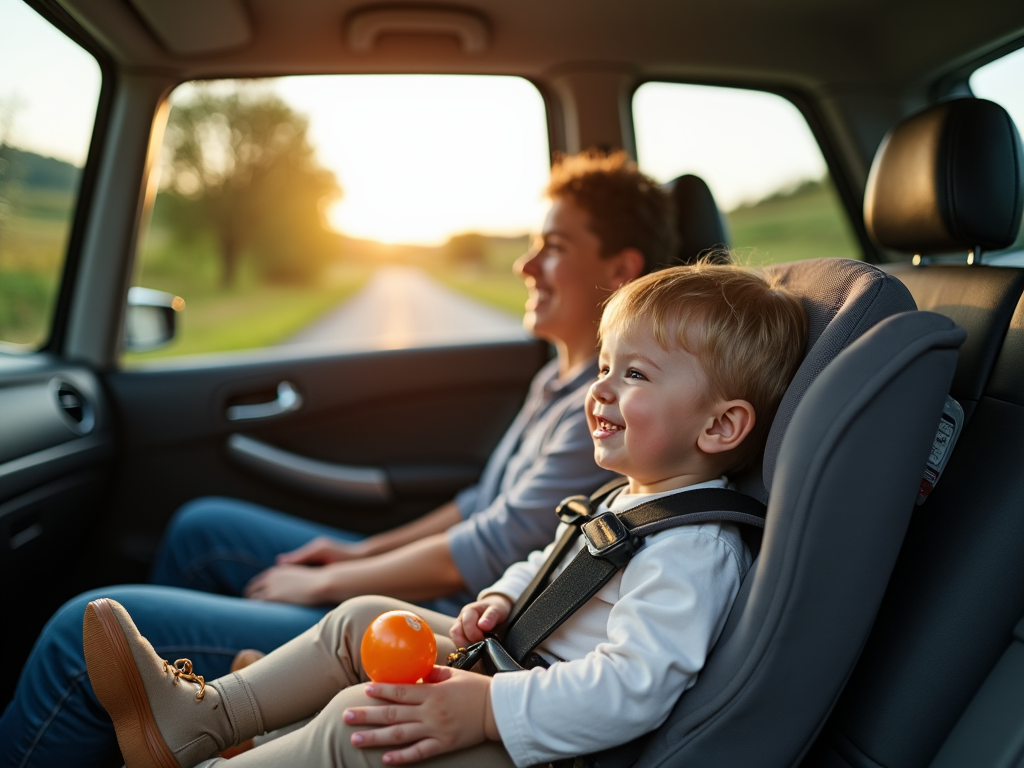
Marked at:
<point>950,178</point>
<point>699,225</point>
<point>843,299</point>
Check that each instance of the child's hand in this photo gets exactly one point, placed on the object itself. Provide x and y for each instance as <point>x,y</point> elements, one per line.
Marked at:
<point>479,618</point>
<point>451,710</point>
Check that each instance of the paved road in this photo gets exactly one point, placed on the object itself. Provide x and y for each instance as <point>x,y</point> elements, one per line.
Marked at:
<point>405,307</point>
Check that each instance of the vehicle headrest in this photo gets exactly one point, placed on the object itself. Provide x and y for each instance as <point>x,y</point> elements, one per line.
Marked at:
<point>843,299</point>
<point>950,178</point>
<point>699,224</point>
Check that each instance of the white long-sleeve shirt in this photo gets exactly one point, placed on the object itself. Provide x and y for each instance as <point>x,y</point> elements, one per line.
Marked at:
<point>630,651</point>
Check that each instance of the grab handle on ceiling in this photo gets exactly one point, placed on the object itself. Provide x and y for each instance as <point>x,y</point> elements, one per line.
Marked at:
<point>364,27</point>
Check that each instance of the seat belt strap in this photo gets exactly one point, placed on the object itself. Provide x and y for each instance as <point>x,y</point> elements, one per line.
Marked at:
<point>574,511</point>
<point>617,537</point>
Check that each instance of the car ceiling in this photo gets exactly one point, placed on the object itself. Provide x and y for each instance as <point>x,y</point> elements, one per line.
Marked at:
<point>881,44</point>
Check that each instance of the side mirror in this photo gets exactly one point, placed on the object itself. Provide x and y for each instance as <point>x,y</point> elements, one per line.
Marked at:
<point>150,321</point>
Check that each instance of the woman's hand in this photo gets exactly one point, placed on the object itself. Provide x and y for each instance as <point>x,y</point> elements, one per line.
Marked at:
<point>450,710</point>
<point>321,551</point>
<point>297,584</point>
<point>479,618</point>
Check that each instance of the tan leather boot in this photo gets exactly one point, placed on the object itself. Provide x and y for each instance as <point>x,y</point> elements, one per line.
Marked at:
<point>164,714</point>
<point>242,659</point>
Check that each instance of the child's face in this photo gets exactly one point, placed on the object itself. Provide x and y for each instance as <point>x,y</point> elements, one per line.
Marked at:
<point>647,411</point>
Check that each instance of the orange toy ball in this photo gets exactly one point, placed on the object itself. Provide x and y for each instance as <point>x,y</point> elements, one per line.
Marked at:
<point>398,647</point>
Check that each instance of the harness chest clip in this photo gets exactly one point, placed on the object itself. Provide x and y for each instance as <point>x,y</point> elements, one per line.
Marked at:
<point>573,510</point>
<point>609,539</point>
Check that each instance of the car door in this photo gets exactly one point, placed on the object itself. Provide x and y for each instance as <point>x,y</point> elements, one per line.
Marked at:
<point>96,454</point>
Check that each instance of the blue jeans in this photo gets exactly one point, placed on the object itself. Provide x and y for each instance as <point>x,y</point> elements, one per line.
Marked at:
<point>218,544</point>
<point>214,545</point>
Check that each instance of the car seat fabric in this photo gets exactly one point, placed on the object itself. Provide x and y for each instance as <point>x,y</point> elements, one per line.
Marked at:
<point>981,300</point>
<point>990,734</point>
<point>842,299</point>
<point>728,717</point>
<point>846,477</point>
<point>954,597</point>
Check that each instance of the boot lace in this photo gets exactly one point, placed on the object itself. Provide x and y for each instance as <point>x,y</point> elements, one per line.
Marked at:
<point>182,670</point>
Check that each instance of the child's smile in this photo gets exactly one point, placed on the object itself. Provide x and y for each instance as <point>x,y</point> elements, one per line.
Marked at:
<point>605,427</point>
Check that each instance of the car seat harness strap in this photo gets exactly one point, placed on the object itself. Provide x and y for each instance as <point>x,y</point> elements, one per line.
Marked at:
<point>611,540</point>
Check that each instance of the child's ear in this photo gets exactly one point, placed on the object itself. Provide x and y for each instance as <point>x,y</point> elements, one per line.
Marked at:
<point>729,427</point>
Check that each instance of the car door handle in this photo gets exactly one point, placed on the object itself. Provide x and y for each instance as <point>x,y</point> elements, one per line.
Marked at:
<point>337,482</point>
<point>288,400</point>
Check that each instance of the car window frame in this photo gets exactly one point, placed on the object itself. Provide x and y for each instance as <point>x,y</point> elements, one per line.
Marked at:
<point>850,200</point>
<point>955,81</point>
<point>63,22</point>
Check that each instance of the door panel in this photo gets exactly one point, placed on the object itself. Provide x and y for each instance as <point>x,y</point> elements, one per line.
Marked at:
<point>56,451</point>
<point>54,425</point>
<point>426,418</point>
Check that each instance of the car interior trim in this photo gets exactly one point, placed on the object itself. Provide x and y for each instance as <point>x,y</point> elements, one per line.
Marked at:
<point>59,17</point>
<point>365,25</point>
<point>321,478</point>
<point>191,27</point>
<point>25,472</point>
<point>287,400</point>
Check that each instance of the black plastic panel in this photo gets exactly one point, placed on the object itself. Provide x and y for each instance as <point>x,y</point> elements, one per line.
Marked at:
<point>41,441</point>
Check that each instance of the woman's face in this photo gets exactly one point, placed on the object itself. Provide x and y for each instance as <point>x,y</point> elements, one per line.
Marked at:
<point>567,278</point>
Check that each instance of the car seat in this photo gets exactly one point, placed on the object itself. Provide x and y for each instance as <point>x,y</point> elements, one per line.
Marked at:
<point>843,463</point>
<point>955,594</point>
<point>700,226</point>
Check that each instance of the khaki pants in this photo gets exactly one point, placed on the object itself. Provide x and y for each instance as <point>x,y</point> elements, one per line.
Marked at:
<point>319,673</point>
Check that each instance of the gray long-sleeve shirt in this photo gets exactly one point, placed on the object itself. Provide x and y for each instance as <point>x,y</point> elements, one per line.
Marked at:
<point>546,455</point>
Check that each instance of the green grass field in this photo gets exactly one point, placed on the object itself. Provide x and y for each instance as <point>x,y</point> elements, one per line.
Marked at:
<point>494,282</point>
<point>807,224</point>
<point>502,290</point>
<point>33,241</point>
<point>252,314</point>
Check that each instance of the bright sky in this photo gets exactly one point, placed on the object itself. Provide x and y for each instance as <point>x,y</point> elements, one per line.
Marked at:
<point>48,86</point>
<point>423,157</point>
<point>744,144</point>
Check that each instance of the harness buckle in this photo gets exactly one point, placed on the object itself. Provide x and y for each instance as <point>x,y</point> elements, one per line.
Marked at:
<point>573,509</point>
<point>609,539</point>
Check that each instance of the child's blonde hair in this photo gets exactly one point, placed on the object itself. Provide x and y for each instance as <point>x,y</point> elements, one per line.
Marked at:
<point>747,332</point>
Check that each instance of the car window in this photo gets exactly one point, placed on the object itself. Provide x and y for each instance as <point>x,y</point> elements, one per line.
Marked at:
<point>345,212</point>
<point>760,159</point>
<point>49,91</point>
<point>1002,81</point>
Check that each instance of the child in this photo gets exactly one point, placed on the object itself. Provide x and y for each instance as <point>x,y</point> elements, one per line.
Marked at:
<point>693,363</point>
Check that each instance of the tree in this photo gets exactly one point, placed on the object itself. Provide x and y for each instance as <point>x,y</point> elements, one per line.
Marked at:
<point>240,166</point>
<point>468,249</point>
